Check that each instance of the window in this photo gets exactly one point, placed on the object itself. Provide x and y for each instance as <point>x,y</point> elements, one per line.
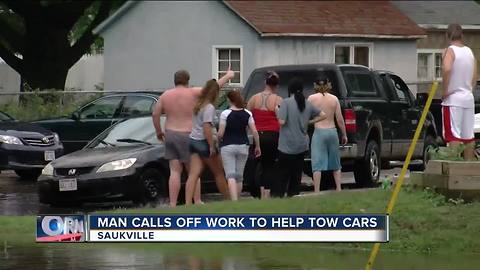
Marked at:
<point>358,54</point>
<point>104,108</point>
<point>429,65</point>
<point>360,84</point>
<point>137,106</point>
<point>228,57</point>
<point>402,90</point>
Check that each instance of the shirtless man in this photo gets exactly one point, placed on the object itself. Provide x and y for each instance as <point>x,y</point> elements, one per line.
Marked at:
<point>325,145</point>
<point>177,104</point>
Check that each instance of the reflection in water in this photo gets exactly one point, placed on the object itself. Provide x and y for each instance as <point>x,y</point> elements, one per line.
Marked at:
<point>254,257</point>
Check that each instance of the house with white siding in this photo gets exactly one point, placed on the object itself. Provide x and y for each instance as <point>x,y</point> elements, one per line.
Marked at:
<point>145,42</point>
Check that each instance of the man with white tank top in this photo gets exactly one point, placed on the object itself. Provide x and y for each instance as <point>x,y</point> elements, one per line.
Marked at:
<point>459,79</point>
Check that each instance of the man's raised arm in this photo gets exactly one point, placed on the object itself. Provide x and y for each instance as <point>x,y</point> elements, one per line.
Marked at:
<point>221,82</point>
<point>227,77</point>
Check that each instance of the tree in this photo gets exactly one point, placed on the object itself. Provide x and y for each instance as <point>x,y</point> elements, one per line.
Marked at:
<point>41,40</point>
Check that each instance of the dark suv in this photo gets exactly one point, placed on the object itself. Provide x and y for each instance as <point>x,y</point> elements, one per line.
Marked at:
<point>88,121</point>
<point>380,112</point>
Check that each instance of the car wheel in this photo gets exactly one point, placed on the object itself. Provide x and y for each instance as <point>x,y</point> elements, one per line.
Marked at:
<point>152,187</point>
<point>32,174</point>
<point>367,170</point>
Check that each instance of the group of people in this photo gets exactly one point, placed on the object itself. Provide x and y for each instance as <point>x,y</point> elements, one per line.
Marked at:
<point>279,128</point>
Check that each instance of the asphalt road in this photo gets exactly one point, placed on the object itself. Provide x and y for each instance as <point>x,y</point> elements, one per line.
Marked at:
<point>19,197</point>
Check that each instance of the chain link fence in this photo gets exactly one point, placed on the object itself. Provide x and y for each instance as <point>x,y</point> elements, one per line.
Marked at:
<point>30,106</point>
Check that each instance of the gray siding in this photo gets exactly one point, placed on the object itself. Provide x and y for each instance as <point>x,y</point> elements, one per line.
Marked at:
<point>397,56</point>
<point>154,39</point>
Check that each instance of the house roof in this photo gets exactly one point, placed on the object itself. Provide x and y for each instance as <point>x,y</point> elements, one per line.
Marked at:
<point>115,16</point>
<point>370,19</point>
<point>365,19</point>
<point>438,14</point>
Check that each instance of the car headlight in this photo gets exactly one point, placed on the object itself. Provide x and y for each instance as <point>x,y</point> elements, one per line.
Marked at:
<point>117,165</point>
<point>10,139</point>
<point>48,170</point>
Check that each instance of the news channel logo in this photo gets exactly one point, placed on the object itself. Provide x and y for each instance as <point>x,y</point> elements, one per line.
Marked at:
<point>60,228</point>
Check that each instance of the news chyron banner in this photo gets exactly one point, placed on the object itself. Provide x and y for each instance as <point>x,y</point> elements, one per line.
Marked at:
<point>218,228</point>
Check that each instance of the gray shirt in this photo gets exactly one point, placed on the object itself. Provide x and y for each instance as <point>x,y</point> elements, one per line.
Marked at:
<point>293,134</point>
<point>205,115</point>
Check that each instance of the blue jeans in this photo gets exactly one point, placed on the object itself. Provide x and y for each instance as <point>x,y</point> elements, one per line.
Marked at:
<point>325,150</point>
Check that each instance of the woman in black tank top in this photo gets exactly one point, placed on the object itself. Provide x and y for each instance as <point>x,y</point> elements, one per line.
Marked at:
<point>234,141</point>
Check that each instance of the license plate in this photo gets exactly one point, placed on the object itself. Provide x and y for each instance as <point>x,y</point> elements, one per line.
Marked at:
<point>67,184</point>
<point>49,155</point>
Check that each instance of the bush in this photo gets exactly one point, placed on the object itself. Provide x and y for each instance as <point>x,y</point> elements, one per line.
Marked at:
<point>45,104</point>
<point>447,153</point>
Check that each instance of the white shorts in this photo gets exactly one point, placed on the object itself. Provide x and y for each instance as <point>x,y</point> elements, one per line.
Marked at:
<point>458,124</point>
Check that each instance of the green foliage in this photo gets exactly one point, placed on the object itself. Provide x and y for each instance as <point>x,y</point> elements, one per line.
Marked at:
<point>433,197</point>
<point>447,153</point>
<point>88,17</point>
<point>50,103</point>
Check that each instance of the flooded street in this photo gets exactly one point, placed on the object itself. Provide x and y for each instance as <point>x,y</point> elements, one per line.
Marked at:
<point>19,197</point>
<point>224,257</point>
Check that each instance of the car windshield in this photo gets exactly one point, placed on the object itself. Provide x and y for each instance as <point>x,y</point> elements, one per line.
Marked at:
<point>128,132</point>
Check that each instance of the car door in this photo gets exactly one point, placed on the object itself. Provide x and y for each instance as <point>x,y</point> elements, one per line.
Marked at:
<point>92,120</point>
<point>371,106</point>
<point>407,114</point>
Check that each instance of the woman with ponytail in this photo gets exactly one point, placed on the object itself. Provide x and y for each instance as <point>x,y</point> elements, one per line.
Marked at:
<point>294,115</point>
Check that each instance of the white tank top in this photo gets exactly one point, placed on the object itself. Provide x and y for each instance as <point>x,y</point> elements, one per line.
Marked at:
<point>460,85</point>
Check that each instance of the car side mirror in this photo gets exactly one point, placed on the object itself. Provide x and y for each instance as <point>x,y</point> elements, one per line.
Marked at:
<point>422,98</point>
<point>76,116</point>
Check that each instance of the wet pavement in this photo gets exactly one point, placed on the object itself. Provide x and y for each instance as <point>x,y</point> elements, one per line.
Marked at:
<point>19,197</point>
<point>216,257</point>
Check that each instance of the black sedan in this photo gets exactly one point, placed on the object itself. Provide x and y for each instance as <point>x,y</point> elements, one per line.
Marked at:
<point>26,148</point>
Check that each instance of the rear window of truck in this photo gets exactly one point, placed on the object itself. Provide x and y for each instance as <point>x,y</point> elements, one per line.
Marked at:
<point>257,82</point>
<point>360,83</point>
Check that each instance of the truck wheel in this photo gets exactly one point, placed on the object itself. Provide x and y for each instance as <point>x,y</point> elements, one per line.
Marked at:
<point>428,144</point>
<point>367,170</point>
<point>32,174</point>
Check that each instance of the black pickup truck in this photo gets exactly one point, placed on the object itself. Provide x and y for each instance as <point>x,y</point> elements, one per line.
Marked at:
<point>381,114</point>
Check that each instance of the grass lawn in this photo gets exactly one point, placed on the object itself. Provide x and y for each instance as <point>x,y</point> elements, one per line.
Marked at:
<point>421,222</point>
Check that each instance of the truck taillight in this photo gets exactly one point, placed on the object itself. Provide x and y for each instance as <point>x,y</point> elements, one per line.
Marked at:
<point>350,121</point>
